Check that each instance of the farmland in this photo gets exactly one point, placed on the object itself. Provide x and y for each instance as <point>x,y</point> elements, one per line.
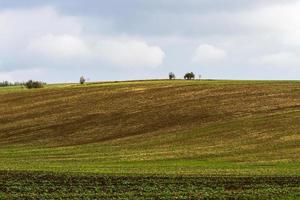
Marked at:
<point>193,137</point>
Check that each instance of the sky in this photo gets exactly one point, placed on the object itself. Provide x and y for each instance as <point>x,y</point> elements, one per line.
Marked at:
<point>61,40</point>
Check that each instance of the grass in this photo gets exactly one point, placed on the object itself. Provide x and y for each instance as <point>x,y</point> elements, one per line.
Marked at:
<point>156,127</point>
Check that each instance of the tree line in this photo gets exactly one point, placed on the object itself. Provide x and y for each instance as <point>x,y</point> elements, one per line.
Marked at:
<point>29,84</point>
<point>7,83</point>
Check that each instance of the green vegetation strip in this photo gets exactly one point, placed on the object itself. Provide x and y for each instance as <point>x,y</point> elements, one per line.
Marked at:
<point>25,185</point>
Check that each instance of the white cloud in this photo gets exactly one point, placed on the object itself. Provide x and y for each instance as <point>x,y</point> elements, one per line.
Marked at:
<point>279,21</point>
<point>20,25</point>
<point>282,60</point>
<point>121,52</point>
<point>129,52</point>
<point>20,28</point>
<point>43,37</point>
<point>59,46</point>
<point>209,55</point>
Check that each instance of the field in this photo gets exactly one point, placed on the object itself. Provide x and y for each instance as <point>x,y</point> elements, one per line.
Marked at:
<point>177,138</point>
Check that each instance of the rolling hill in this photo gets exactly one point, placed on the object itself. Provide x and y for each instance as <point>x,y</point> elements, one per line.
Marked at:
<point>153,127</point>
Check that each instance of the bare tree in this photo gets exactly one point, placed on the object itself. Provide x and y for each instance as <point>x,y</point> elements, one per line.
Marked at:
<point>172,76</point>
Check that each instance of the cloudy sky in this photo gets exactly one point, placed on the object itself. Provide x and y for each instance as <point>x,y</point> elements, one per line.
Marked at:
<point>60,40</point>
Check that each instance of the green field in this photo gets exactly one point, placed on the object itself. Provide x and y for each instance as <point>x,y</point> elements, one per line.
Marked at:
<point>160,128</point>
<point>23,185</point>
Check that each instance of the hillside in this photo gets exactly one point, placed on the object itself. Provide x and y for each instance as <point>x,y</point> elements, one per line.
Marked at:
<point>185,127</point>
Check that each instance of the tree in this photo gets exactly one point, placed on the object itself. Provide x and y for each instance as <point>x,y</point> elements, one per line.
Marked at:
<point>172,76</point>
<point>189,76</point>
<point>34,84</point>
<point>82,80</point>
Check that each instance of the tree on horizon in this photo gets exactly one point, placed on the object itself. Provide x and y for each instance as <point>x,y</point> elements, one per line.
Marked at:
<point>189,76</point>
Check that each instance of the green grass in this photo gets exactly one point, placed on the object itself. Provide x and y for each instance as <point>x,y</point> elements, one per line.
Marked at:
<point>156,127</point>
